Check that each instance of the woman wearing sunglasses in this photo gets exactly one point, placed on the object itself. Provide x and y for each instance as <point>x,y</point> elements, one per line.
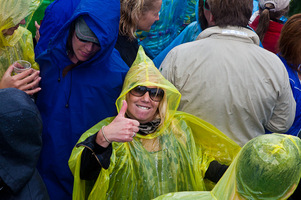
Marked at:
<point>149,148</point>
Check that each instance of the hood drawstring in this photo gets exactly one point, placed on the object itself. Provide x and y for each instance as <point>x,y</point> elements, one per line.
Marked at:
<point>64,73</point>
<point>67,104</point>
<point>59,75</point>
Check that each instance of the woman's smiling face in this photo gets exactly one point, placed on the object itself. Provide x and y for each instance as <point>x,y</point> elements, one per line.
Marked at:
<point>143,108</point>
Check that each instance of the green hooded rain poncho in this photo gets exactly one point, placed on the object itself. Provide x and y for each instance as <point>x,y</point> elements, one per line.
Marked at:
<point>268,167</point>
<point>173,158</point>
<point>18,46</point>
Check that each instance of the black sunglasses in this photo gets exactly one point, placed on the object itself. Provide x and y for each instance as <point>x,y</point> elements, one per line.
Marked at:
<point>156,94</point>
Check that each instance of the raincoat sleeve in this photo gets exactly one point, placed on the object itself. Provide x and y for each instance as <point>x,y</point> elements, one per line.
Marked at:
<point>94,157</point>
<point>81,185</point>
<point>28,49</point>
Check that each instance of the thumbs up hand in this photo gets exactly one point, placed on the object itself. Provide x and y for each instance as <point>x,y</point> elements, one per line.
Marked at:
<point>121,129</point>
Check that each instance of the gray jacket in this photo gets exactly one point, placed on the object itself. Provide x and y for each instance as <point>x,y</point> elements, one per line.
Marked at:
<point>226,79</point>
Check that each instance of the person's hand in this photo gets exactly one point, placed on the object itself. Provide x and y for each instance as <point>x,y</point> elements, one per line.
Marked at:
<point>37,37</point>
<point>27,81</point>
<point>121,129</point>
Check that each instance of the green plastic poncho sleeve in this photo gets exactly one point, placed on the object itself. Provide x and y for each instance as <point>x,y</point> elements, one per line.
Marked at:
<point>173,158</point>
<point>18,46</point>
<point>267,168</point>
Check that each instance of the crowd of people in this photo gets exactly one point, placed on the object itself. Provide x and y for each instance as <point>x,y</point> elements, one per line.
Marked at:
<point>95,118</point>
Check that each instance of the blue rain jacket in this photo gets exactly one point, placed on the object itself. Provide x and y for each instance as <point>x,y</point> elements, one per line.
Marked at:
<point>296,89</point>
<point>72,104</point>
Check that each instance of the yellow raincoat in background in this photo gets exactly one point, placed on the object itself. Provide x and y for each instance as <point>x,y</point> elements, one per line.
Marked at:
<point>18,46</point>
<point>268,167</point>
<point>173,158</point>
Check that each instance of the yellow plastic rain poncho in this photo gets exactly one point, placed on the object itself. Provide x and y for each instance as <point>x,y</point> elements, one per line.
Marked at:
<point>267,168</point>
<point>174,158</point>
<point>18,46</point>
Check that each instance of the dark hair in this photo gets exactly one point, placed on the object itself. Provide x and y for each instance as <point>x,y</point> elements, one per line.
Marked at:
<point>229,12</point>
<point>265,16</point>
<point>69,46</point>
<point>202,19</point>
<point>289,43</point>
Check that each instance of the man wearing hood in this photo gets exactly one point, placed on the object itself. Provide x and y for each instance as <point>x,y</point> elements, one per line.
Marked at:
<point>82,76</point>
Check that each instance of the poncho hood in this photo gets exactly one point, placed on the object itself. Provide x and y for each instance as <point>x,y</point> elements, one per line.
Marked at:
<point>104,26</point>
<point>143,72</point>
<point>11,13</point>
<point>20,137</point>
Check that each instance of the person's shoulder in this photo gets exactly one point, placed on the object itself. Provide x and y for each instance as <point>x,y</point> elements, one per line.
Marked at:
<point>44,57</point>
<point>270,56</point>
<point>185,49</point>
<point>188,45</point>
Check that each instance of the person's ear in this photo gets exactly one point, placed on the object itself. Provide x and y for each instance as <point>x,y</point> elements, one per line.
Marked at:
<point>211,21</point>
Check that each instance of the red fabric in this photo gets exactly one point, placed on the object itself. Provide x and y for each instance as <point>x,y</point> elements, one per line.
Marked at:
<point>272,35</point>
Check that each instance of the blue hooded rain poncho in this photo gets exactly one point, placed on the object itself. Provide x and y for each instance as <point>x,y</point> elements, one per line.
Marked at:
<point>173,158</point>
<point>72,104</point>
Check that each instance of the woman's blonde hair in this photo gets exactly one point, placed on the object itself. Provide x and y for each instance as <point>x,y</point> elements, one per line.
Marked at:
<point>162,109</point>
<point>130,12</point>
